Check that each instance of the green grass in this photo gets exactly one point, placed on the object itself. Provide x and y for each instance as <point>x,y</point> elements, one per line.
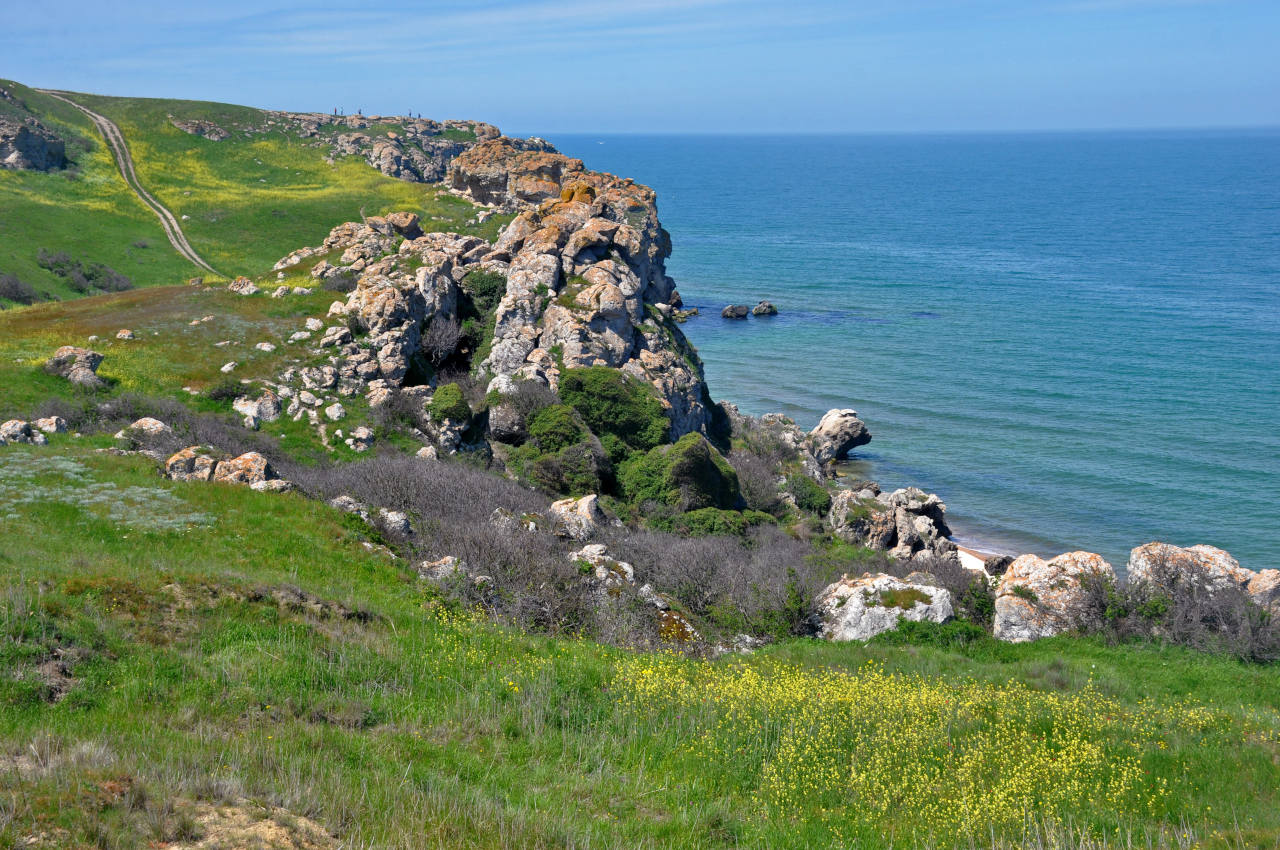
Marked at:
<point>398,722</point>
<point>253,199</point>
<point>250,199</point>
<point>87,211</point>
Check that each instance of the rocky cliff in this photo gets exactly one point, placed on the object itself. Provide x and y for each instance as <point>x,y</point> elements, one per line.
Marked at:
<point>585,279</point>
<point>26,143</point>
<point>586,276</point>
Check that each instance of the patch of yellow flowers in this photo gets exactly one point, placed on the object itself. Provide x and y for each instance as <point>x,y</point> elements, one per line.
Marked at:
<point>903,753</point>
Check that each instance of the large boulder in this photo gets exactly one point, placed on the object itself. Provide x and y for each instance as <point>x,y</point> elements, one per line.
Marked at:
<point>1203,570</point>
<point>77,365</point>
<point>249,468</point>
<point>863,607</point>
<point>908,523</point>
<point>194,463</point>
<point>838,433</point>
<point>20,431</point>
<point>576,519</point>
<point>1037,598</point>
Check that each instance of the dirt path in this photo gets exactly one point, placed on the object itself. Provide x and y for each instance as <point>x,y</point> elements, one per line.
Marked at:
<point>120,150</point>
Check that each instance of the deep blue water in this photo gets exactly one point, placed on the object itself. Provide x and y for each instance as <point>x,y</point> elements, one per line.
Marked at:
<point>1074,338</point>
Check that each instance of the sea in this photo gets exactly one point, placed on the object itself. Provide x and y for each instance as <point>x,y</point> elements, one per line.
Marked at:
<point>1072,338</point>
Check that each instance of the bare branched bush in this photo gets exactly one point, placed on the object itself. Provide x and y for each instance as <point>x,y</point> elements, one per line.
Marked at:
<point>441,338</point>
<point>1181,603</point>
<point>758,478</point>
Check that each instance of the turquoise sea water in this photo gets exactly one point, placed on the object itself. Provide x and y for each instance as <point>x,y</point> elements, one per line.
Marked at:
<point>1074,339</point>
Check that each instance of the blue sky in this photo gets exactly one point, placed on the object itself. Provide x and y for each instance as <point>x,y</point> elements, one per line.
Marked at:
<point>682,65</point>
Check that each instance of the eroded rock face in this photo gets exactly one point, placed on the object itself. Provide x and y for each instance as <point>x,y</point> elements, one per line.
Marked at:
<point>585,275</point>
<point>838,433</point>
<point>29,145</point>
<point>77,365</point>
<point>1037,598</point>
<point>863,607</point>
<point>203,129</point>
<point>908,523</point>
<point>1203,569</point>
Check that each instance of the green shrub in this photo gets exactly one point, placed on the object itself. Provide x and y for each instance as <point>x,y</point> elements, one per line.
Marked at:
<point>809,494</point>
<point>707,522</point>
<point>485,288</point>
<point>1023,592</point>
<point>449,403</point>
<point>622,411</point>
<point>574,470</point>
<point>555,427</point>
<point>955,633</point>
<point>690,474</point>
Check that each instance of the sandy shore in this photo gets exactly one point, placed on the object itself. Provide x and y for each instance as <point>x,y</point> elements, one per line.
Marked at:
<point>972,558</point>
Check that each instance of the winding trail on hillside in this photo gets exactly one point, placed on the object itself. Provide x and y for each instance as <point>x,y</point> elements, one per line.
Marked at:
<point>120,150</point>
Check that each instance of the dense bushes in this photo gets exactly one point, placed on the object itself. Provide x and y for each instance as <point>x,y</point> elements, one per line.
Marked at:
<point>448,402</point>
<point>17,291</point>
<point>706,522</point>
<point>688,475</point>
<point>623,412</point>
<point>83,278</point>
<point>809,495</point>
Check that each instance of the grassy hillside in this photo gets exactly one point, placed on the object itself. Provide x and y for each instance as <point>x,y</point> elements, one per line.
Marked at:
<point>249,199</point>
<point>175,649</point>
<point>217,645</point>
<point>86,211</point>
<point>253,198</point>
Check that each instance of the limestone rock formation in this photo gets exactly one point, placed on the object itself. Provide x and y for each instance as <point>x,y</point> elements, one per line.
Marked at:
<point>908,523</point>
<point>576,519</point>
<point>200,463</point>
<point>1202,569</point>
<point>585,271</point>
<point>735,311</point>
<point>836,434</point>
<point>863,607</point>
<point>204,129</point>
<point>26,143</point>
<point>77,365</point>
<point>20,431</point>
<point>764,308</point>
<point>1037,599</point>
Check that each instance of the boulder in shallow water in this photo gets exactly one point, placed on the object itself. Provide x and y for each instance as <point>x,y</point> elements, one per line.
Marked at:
<point>735,311</point>
<point>764,308</point>
<point>837,433</point>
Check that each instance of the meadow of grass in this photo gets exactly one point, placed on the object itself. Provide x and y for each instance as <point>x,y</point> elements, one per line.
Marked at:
<point>261,652</point>
<point>251,199</point>
<point>87,211</point>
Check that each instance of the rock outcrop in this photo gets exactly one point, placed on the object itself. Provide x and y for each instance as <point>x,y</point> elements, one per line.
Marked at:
<point>20,431</point>
<point>204,129</point>
<point>908,523</point>
<point>863,607</point>
<point>25,142</point>
<point>77,365</point>
<point>1200,569</point>
<point>200,463</point>
<point>585,275</point>
<point>837,434</point>
<point>1037,598</point>
<point>576,519</point>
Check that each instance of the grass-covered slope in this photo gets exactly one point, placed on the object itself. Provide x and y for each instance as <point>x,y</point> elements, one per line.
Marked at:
<point>255,196</point>
<point>248,199</point>
<point>86,211</point>
<point>206,643</point>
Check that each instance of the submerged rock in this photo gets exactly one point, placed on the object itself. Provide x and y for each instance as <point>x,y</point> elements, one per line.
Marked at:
<point>735,311</point>
<point>764,308</point>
